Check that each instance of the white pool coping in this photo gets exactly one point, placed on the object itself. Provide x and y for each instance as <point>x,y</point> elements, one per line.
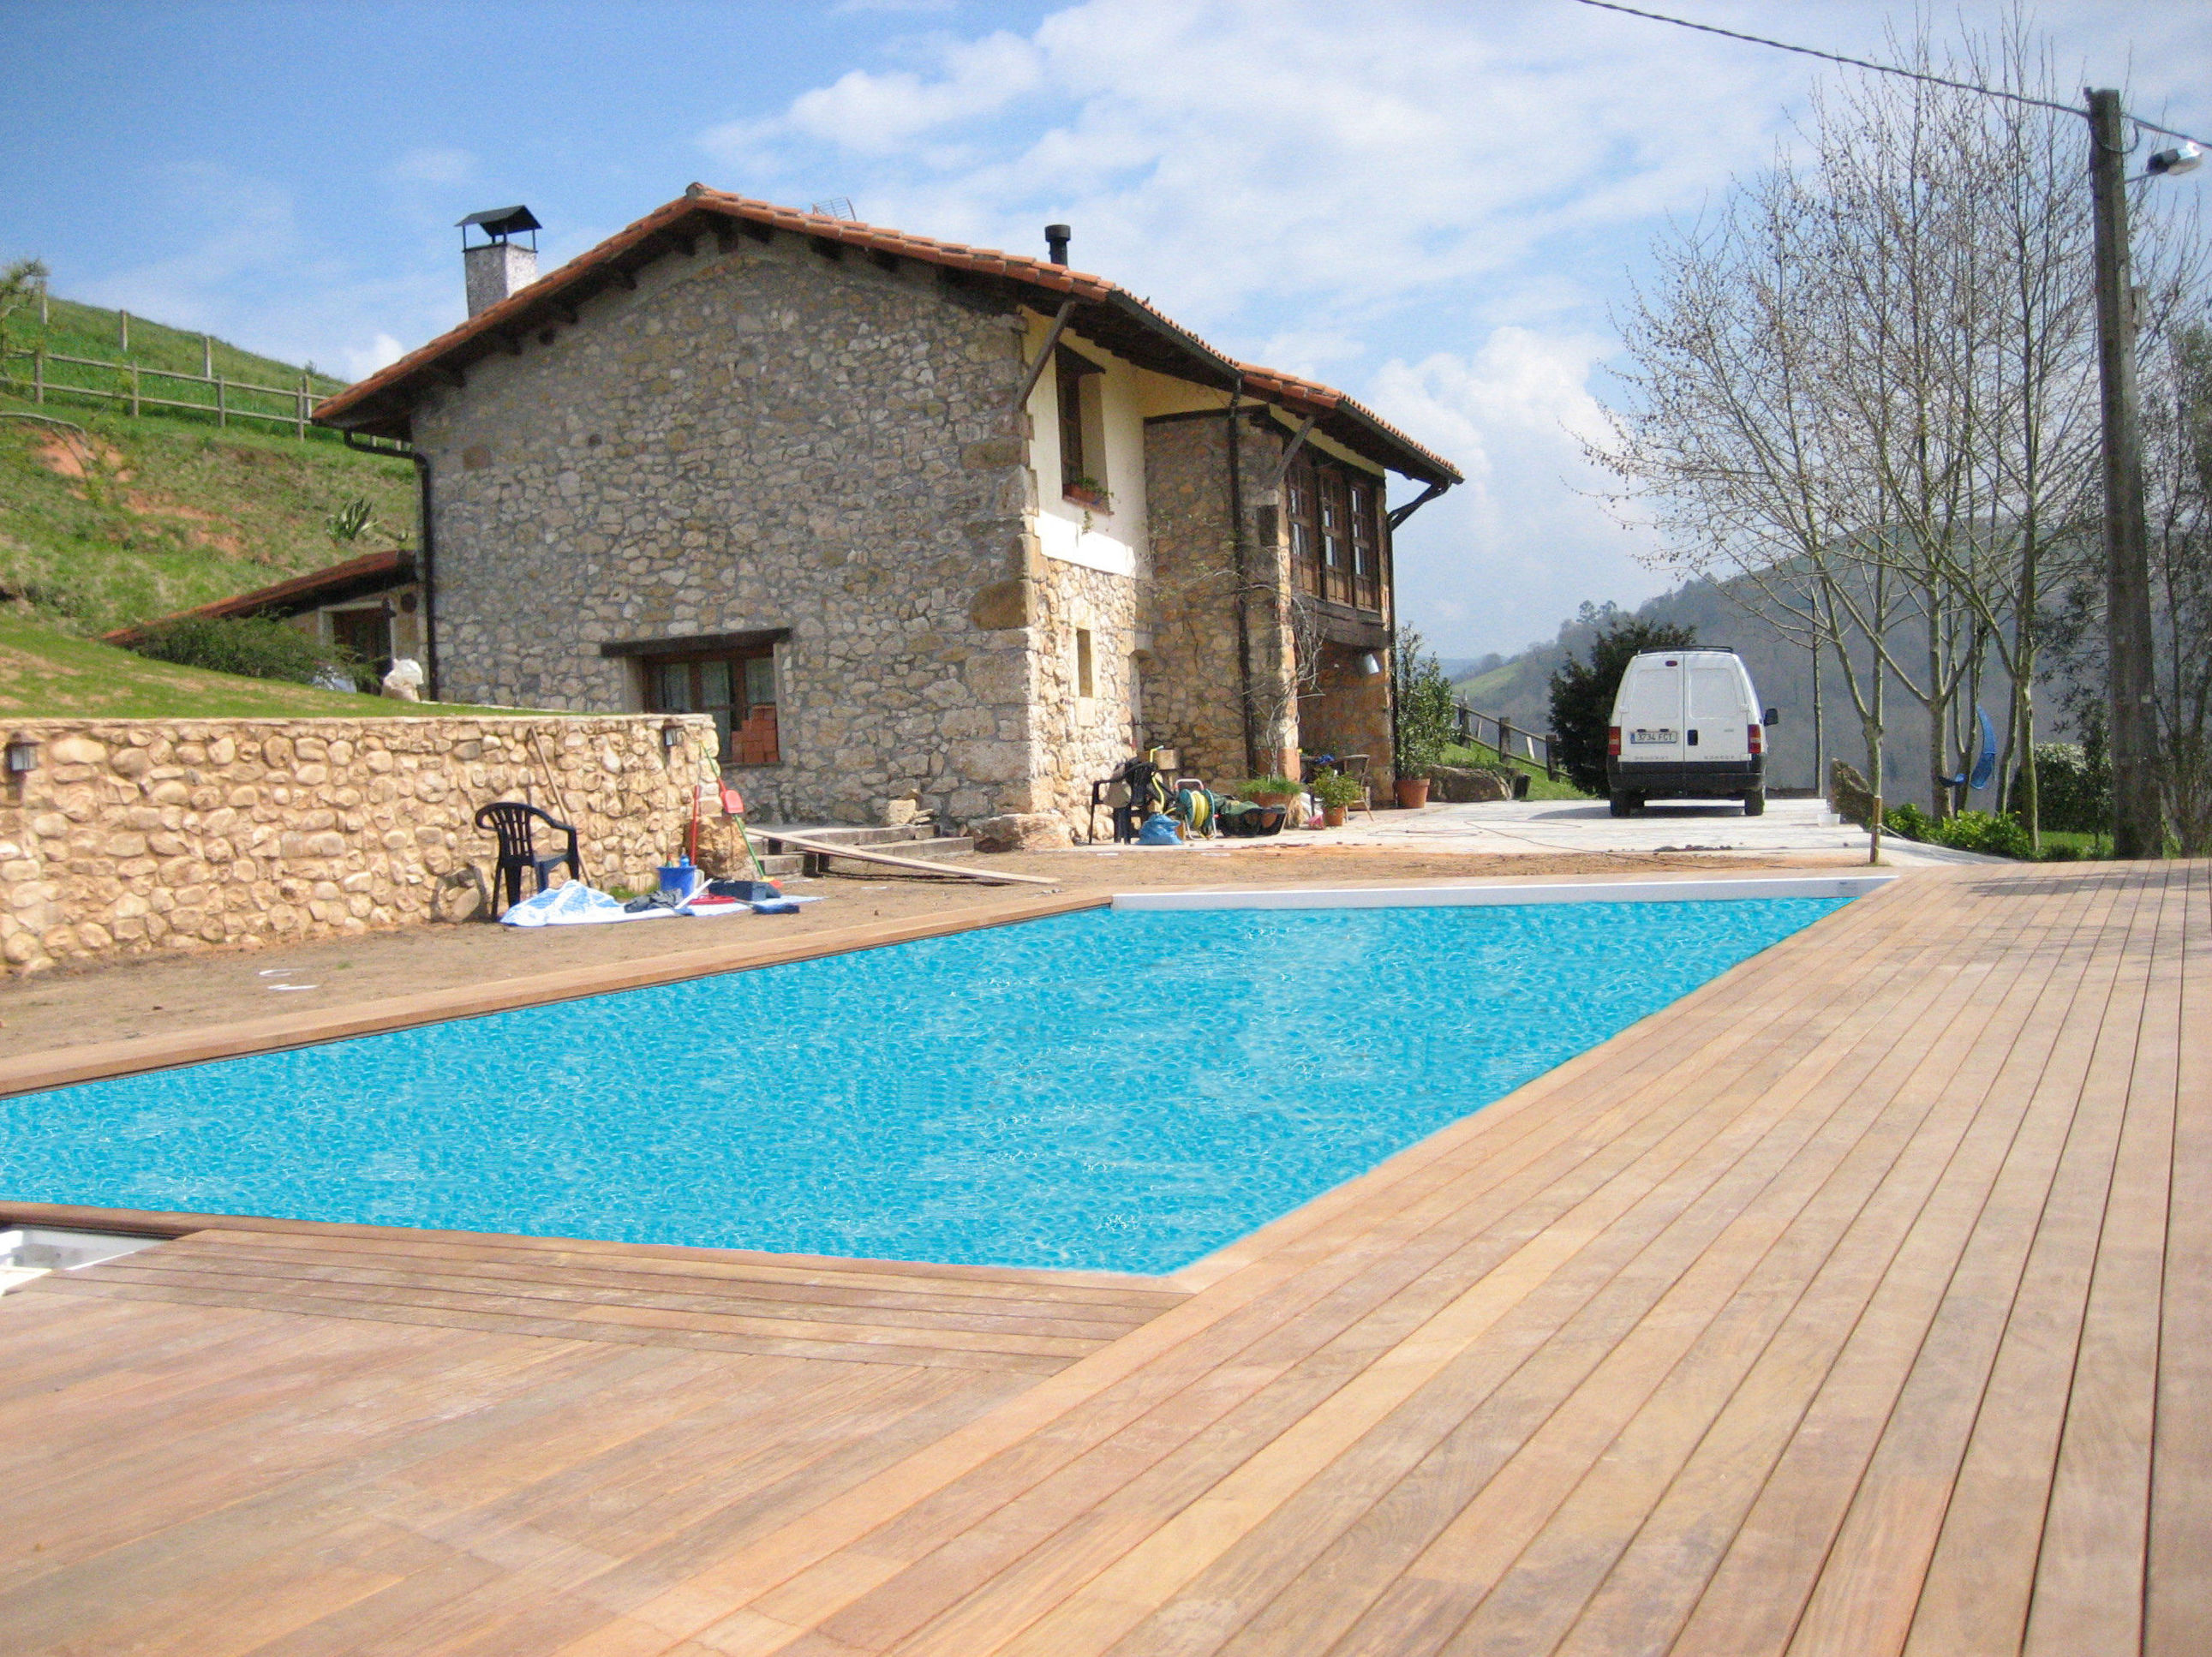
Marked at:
<point>1595,891</point>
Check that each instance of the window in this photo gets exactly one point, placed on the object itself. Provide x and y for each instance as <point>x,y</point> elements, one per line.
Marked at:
<point>1082,439</point>
<point>1085,681</point>
<point>1335,533</point>
<point>738,689</point>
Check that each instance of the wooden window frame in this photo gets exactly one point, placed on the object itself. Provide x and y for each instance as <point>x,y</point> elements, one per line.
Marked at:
<point>749,728</point>
<point>1335,517</point>
<point>1082,476</point>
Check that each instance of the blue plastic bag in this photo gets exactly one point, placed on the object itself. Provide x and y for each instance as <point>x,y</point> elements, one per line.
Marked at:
<point>1159,830</point>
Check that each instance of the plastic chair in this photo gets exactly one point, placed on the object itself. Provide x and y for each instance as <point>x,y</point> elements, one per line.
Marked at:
<point>511,820</point>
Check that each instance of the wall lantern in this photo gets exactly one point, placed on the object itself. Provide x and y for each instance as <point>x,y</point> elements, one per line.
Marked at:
<point>672,737</point>
<point>1369,664</point>
<point>22,755</point>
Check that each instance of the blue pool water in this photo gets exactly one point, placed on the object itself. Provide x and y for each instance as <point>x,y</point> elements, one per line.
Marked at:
<point>1119,1092</point>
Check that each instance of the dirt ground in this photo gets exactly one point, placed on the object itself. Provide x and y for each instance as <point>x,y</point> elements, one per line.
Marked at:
<point>153,995</point>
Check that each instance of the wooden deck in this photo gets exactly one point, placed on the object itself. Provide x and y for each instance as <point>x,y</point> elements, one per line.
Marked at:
<point>1859,1303</point>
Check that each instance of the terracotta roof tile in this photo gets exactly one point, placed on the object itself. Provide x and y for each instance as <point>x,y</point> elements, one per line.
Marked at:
<point>301,592</point>
<point>1358,426</point>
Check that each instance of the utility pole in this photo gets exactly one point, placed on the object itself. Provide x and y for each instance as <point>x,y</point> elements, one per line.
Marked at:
<point>2138,824</point>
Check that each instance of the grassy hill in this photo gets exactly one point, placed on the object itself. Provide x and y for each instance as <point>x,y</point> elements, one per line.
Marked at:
<point>71,329</point>
<point>106,520</point>
<point>49,675</point>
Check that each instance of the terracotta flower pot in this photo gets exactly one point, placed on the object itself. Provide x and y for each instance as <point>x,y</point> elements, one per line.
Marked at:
<point>1412,793</point>
<point>1332,816</point>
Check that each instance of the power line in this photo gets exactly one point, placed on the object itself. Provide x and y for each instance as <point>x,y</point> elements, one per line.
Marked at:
<point>1880,69</point>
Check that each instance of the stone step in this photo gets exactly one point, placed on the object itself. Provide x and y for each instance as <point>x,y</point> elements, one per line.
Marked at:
<point>932,849</point>
<point>846,834</point>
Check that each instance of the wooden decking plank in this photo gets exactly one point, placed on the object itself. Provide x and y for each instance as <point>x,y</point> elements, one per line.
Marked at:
<point>1551,1584</point>
<point>584,1308</point>
<point>1520,1603</point>
<point>2177,1603</point>
<point>418,1311</point>
<point>173,1262</point>
<point>1755,1598</point>
<point>1651,1589</point>
<point>767,1471</point>
<point>1442,1580</point>
<point>2090,1573</point>
<point>246,1504</point>
<point>1973,1595</point>
<point>839,1627</point>
<point>950,1300</point>
<point>894,1280</point>
<point>1869,1586</point>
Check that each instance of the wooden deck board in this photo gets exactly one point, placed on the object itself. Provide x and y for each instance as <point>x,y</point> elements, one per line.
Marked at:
<point>1854,1304</point>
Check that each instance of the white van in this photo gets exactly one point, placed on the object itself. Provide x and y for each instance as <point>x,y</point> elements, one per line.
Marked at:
<point>1687,724</point>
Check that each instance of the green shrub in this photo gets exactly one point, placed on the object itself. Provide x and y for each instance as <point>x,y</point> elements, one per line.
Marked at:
<point>1969,831</point>
<point>1425,718</point>
<point>253,647</point>
<point>1334,788</point>
<point>2074,788</point>
<point>1253,787</point>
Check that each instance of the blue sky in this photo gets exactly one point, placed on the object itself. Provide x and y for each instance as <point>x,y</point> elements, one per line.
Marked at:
<point>1431,205</point>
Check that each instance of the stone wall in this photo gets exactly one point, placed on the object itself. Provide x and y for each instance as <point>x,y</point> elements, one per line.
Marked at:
<point>1192,698</point>
<point>137,836</point>
<point>753,439</point>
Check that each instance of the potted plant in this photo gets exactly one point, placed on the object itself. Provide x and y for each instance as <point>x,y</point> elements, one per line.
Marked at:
<point>1427,720</point>
<point>1336,794</point>
<point>1268,791</point>
<point>1088,491</point>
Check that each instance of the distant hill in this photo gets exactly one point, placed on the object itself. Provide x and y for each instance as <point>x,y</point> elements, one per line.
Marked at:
<point>1519,688</point>
<point>106,519</point>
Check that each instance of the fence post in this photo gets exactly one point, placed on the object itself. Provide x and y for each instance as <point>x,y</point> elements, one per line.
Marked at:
<point>123,325</point>
<point>39,372</point>
<point>134,390</point>
<point>221,408</point>
<point>42,305</point>
<point>300,407</point>
<point>1550,756</point>
<point>207,356</point>
<point>1505,740</point>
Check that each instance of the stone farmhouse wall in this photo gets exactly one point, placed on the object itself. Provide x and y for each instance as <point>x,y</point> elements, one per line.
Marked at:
<point>133,836</point>
<point>758,438</point>
<point>1192,698</point>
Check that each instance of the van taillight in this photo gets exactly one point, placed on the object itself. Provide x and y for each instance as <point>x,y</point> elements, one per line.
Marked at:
<point>1613,741</point>
<point>1757,734</point>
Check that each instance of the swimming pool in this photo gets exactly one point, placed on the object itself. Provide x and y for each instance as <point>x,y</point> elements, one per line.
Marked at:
<point>1117,1091</point>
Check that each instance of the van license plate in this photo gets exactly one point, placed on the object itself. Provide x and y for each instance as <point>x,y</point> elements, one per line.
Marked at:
<point>1652,736</point>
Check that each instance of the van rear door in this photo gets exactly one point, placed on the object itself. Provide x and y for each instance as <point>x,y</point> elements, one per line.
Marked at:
<point>1649,708</point>
<point>1718,722</point>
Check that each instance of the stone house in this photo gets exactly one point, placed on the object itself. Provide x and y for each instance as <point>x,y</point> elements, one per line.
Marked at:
<point>909,519</point>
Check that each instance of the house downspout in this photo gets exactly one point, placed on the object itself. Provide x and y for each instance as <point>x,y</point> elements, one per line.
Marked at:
<point>1243,567</point>
<point>426,561</point>
<point>1390,522</point>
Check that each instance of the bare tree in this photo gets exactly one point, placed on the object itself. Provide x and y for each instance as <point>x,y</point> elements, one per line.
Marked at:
<point>1863,394</point>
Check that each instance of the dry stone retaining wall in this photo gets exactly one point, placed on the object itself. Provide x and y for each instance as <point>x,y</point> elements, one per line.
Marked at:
<point>137,836</point>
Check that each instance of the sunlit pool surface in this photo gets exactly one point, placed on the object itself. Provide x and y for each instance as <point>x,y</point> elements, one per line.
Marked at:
<point>1117,1091</point>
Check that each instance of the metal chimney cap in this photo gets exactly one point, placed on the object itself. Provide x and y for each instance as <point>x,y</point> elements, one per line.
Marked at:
<point>1056,237</point>
<point>502,222</point>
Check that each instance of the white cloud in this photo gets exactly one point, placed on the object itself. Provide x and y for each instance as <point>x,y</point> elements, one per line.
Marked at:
<point>1525,539</point>
<point>382,352</point>
<point>436,167</point>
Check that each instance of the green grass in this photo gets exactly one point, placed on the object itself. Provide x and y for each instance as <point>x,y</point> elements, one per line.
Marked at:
<point>1540,786</point>
<point>46,675</point>
<point>87,330</point>
<point>166,514</point>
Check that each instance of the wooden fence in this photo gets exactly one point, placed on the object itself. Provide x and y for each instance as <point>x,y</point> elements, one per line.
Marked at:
<point>130,378</point>
<point>1511,742</point>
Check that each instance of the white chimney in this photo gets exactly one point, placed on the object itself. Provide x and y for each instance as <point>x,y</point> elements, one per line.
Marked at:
<point>499,265</point>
